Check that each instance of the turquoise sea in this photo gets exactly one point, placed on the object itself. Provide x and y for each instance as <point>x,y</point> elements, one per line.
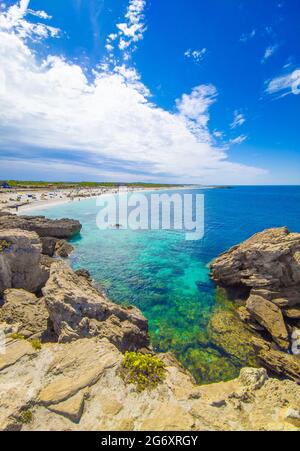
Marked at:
<point>167,277</point>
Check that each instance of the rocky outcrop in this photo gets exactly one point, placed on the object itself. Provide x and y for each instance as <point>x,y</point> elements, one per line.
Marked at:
<point>20,261</point>
<point>267,266</point>
<point>269,316</point>
<point>76,386</point>
<point>54,246</point>
<point>270,259</point>
<point>78,310</point>
<point>26,313</point>
<point>63,249</point>
<point>57,228</point>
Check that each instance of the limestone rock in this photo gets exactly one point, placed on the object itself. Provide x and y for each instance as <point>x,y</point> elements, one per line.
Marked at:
<point>63,249</point>
<point>72,408</point>
<point>76,387</point>
<point>270,259</point>
<point>84,273</point>
<point>25,309</point>
<point>20,261</point>
<point>270,317</point>
<point>292,313</point>
<point>48,245</point>
<point>296,342</point>
<point>78,310</point>
<point>280,363</point>
<point>58,228</point>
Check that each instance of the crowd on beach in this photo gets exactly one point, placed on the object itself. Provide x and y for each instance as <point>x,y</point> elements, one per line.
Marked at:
<point>15,200</point>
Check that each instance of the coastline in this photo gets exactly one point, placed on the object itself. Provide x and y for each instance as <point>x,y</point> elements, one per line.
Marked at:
<point>63,197</point>
<point>31,200</point>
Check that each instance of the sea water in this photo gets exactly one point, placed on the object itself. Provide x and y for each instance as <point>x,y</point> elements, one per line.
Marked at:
<point>167,277</point>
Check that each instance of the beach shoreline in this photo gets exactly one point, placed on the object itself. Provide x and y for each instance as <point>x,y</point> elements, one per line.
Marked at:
<point>31,200</point>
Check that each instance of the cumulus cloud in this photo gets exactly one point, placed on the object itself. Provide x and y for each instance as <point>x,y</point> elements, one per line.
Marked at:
<point>108,127</point>
<point>196,55</point>
<point>285,84</point>
<point>130,31</point>
<point>238,119</point>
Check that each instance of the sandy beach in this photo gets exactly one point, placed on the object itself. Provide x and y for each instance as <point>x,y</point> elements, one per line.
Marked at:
<point>23,201</point>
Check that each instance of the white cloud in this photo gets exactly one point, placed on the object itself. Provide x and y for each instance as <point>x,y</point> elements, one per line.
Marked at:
<point>248,36</point>
<point>238,120</point>
<point>13,20</point>
<point>131,30</point>
<point>51,105</point>
<point>196,55</point>
<point>239,139</point>
<point>285,84</point>
<point>269,52</point>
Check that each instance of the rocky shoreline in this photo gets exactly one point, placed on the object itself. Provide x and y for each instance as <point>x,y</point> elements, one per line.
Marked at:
<point>263,278</point>
<point>63,342</point>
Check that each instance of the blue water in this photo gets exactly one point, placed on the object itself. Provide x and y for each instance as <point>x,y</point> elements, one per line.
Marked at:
<point>167,277</point>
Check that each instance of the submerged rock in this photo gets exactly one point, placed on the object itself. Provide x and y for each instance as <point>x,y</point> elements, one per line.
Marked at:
<point>228,333</point>
<point>77,310</point>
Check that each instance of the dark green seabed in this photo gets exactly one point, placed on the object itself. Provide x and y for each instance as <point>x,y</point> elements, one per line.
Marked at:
<point>167,277</point>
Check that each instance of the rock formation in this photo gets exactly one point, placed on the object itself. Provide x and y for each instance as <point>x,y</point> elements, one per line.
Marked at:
<point>70,379</point>
<point>267,267</point>
<point>78,310</point>
<point>57,228</point>
<point>76,386</point>
<point>20,257</point>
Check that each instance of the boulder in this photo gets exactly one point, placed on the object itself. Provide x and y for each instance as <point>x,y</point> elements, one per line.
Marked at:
<point>57,228</point>
<point>78,310</point>
<point>84,273</point>
<point>292,313</point>
<point>270,317</point>
<point>280,363</point>
<point>48,245</point>
<point>26,311</point>
<point>63,249</point>
<point>270,259</point>
<point>296,342</point>
<point>20,257</point>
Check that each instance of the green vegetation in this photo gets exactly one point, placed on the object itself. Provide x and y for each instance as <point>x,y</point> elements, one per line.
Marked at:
<point>17,336</point>
<point>36,344</point>
<point>26,417</point>
<point>4,245</point>
<point>143,370</point>
<point>61,185</point>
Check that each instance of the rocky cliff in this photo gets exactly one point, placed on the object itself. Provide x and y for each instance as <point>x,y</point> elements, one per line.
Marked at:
<point>61,350</point>
<point>266,270</point>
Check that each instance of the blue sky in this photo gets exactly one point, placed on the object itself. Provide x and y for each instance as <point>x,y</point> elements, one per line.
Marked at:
<point>138,90</point>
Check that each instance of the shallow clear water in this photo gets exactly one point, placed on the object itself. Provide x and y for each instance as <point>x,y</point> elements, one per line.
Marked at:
<point>167,277</point>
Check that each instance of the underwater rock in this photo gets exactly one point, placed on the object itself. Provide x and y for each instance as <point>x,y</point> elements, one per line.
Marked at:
<point>228,332</point>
